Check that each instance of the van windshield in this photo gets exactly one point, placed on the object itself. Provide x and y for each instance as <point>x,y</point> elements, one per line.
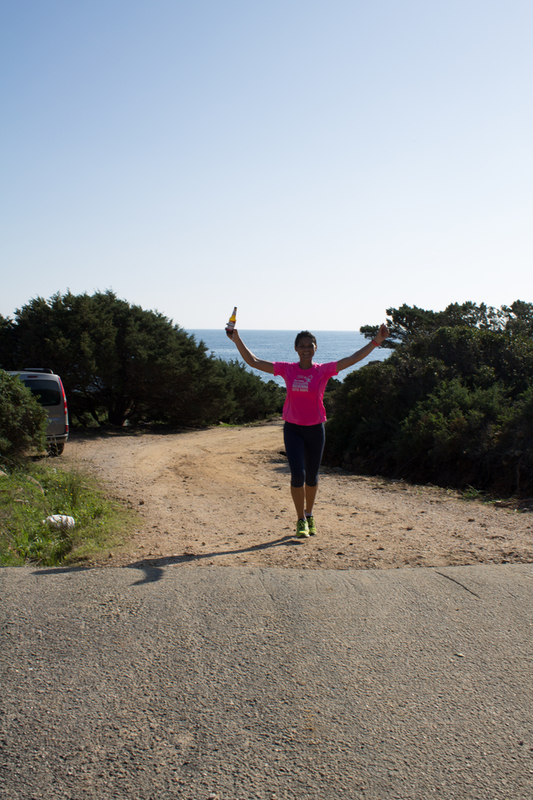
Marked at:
<point>46,392</point>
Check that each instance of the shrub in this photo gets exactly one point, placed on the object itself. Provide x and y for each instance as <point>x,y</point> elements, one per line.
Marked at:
<point>453,406</point>
<point>452,433</point>
<point>23,421</point>
<point>248,398</point>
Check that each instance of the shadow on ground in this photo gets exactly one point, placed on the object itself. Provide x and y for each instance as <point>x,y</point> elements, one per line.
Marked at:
<point>153,567</point>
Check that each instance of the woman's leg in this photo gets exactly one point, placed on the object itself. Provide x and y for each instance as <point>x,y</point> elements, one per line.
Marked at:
<point>304,445</point>
<point>298,498</point>
<point>310,494</point>
<point>315,440</point>
<point>295,450</point>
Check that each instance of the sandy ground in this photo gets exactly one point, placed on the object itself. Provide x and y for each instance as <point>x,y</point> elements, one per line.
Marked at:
<point>221,497</point>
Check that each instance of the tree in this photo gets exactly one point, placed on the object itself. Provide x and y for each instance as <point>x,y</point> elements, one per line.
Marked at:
<point>519,318</point>
<point>407,322</point>
<point>452,406</point>
<point>119,362</point>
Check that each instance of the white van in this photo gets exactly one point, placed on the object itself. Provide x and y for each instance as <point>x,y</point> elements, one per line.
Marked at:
<point>49,391</point>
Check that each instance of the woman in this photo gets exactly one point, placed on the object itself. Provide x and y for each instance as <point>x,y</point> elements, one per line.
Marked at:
<point>304,414</point>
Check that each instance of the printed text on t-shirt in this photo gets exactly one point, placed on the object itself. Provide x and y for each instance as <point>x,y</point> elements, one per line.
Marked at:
<point>301,383</point>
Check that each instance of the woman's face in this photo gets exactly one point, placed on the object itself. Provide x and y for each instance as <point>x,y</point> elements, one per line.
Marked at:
<point>306,348</point>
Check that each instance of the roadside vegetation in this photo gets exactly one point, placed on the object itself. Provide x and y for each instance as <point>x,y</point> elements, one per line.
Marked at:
<point>452,405</point>
<point>30,492</point>
<point>23,420</point>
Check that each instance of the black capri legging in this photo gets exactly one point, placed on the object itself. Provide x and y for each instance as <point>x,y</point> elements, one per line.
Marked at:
<point>304,445</point>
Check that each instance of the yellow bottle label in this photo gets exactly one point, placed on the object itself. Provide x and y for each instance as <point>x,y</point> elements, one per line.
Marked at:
<point>232,319</point>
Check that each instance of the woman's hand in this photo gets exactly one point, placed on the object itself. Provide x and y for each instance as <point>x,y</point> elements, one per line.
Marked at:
<point>382,334</point>
<point>230,332</point>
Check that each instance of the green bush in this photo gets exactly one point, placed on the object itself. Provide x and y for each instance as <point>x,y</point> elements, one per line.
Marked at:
<point>23,421</point>
<point>452,406</point>
<point>369,407</point>
<point>513,449</point>
<point>453,432</point>
<point>248,398</point>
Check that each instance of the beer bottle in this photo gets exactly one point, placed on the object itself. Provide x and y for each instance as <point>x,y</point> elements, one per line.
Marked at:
<point>232,320</point>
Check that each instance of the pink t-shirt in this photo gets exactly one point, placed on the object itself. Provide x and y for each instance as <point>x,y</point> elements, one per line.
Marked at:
<point>305,391</point>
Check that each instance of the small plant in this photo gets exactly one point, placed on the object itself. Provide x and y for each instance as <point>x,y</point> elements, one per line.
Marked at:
<point>470,493</point>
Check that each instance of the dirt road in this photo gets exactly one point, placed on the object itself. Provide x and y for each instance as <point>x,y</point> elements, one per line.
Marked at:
<point>221,497</point>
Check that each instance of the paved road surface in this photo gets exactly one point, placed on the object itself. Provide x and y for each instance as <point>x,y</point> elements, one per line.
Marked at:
<point>237,683</point>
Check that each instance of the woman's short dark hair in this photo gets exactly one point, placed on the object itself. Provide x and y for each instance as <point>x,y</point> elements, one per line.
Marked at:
<point>304,335</point>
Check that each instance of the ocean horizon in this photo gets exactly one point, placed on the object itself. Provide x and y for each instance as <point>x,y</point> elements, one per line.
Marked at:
<point>273,345</point>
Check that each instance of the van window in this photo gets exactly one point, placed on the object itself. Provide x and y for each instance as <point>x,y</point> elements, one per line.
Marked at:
<point>47,392</point>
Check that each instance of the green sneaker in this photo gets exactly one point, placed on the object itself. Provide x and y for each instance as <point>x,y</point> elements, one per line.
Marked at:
<point>311,525</point>
<point>302,529</point>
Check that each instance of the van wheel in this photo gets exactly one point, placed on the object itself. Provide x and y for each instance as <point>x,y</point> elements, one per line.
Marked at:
<point>55,449</point>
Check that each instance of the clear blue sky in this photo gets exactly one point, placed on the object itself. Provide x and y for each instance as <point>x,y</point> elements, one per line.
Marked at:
<point>313,163</point>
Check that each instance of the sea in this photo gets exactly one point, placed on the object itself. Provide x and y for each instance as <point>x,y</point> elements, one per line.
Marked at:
<point>279,346</point>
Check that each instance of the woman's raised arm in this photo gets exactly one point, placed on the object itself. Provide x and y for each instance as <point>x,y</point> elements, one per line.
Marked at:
<point>365,351</point>
<point>248,356</point>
